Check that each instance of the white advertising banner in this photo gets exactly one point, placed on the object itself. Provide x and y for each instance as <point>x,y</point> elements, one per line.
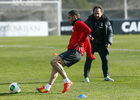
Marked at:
<point>23,29</point>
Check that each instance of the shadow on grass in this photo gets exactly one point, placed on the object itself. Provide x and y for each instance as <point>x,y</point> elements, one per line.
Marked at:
<point>24,93</point>
<point>10,94</point>
<point>5,94</point>
<point>23,83</point>
<point>40,82</point>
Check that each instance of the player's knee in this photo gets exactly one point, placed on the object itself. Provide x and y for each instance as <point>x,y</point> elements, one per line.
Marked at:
<point>53,62</point>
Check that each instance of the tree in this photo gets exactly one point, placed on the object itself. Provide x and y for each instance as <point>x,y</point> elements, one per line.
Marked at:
<point>75,4</point>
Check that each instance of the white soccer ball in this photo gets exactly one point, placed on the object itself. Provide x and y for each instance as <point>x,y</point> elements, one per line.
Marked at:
<point>14,88</point>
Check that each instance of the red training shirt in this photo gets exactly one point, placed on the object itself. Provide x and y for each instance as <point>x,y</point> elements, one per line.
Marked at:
<point>80,38</point>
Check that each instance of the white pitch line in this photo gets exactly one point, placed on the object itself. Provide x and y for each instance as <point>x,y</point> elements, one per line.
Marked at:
<point>125,49</point>
<point>27,46</point>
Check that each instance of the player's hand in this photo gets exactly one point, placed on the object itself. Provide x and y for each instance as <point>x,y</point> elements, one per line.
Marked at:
<point>91,38</point>
<point>107,45</point>
<point>79,48</point>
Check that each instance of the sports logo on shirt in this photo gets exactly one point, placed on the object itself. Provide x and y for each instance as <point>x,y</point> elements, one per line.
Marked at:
<point>101,25</point>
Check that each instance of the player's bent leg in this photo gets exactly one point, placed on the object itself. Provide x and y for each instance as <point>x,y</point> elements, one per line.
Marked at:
<point>57,59</point>
<point>58,65</point>
<point>53,77</point>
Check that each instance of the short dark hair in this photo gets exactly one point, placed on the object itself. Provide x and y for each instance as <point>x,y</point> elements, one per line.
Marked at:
<point>74,12</point>
<point>98,6</point>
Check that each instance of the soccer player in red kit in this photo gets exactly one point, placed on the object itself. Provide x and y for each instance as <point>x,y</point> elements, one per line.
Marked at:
<point>78,44</point>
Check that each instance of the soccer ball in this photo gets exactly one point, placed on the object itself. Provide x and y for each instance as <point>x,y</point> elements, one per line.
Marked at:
<point>14,88</point>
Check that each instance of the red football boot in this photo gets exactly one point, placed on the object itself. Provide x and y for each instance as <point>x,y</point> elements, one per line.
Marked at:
<point>42,89</point>
<point>67,86</point>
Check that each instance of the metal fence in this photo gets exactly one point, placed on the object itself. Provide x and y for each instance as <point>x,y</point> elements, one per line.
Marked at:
<point>114,9</point>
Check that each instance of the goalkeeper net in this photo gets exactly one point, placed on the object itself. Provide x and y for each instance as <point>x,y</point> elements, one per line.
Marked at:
<point>33,10</point>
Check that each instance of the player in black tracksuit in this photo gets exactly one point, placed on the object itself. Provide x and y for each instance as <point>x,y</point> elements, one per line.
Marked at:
<point>103,34</point>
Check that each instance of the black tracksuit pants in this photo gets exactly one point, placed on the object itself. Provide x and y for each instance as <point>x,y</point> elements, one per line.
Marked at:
<point>102,51</point>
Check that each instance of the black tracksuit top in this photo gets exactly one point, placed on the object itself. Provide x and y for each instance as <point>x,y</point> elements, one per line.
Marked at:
<point>101,30</point>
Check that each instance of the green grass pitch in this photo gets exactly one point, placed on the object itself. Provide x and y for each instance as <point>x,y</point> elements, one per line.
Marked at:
<point>26,60</point>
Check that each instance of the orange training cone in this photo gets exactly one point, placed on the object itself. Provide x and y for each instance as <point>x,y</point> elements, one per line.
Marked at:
<point>55,54</point>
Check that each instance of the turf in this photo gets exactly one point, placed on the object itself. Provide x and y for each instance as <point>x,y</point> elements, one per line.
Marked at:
<point>26,60</point>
